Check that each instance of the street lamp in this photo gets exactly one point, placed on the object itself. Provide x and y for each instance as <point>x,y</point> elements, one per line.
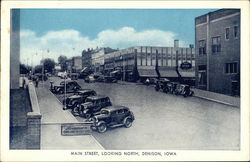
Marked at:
<point>123,67</point>
<point>64,103</point>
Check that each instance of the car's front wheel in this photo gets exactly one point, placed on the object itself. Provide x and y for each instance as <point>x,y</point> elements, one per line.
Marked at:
<point>102,128</point>
<point>60,91</point>
<point>128,122</point>
<point>87,116</point>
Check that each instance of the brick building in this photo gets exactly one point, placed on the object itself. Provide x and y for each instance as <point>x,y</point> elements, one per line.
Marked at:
<point>76,64</point>
<point>97,58</point>
<point>141,62</point>
<point>86,58</point>
<point>217,39</point>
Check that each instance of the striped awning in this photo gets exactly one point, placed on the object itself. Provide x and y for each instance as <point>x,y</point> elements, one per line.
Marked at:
<point>147,73</point>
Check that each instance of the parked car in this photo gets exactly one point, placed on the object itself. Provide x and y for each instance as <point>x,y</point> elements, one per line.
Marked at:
<point>112,116</point>
<point>74,76</point>
<point>171,87</point>
<point>162,84</point>
<point>110,79</point>
<point>62,75</point>
<point>90,79</point>
<point>71,86</point>
<point>183,89</point>
<point>149,81</point>
<point>78,98</point>
<point>93,104</point>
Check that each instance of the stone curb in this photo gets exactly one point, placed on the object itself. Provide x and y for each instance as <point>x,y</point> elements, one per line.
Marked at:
<point>217,101</point>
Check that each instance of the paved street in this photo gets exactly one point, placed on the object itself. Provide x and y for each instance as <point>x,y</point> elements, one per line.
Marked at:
<point>166,121</point>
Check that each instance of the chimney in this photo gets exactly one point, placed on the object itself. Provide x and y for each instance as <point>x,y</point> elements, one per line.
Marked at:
<point>176,43</point>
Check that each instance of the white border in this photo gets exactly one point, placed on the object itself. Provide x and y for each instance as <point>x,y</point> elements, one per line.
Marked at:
<point>64,155</point>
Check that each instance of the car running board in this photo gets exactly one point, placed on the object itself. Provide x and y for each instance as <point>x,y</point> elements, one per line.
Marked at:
<point>116,125</point>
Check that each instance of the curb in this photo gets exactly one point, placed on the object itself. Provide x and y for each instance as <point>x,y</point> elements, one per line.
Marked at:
<point>76,120</point>
<point>217,101</point>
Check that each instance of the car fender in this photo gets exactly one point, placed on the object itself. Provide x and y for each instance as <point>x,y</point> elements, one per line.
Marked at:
<point>85,111</point>
<point>100,122</point>
<point>128,117</point>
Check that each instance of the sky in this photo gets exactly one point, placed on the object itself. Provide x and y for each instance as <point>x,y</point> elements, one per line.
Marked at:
<point>49,33</point>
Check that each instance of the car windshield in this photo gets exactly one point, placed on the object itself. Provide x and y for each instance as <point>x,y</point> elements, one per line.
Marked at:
<point>62,83</point>
<point>88,100</point>
<point>105,112</point>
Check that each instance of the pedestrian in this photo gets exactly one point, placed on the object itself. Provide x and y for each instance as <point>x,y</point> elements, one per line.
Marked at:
<point>147,81</point>
<point>23,82</point>
<point>37,81</point>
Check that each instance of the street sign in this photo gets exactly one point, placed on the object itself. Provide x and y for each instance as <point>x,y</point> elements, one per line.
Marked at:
<point>186,65</point>
<point>75,129</point>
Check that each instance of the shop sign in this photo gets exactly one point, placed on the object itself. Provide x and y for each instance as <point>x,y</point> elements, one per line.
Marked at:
<point>186,65</point>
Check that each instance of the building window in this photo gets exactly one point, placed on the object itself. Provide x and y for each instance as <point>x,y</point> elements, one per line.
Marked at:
<point>216,44</point>
<point>236,32</point>
<point>202,47</point>
<point>227,34</point>
<point>202,75</point>
<point>231,68</point>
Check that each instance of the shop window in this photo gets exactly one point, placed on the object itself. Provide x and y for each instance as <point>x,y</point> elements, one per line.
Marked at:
<point>202,47</point>
<point>227,34</point>
<point>216,44</point>
<point>236,32</point>
<point>231,68</point>
<point>202,75</point>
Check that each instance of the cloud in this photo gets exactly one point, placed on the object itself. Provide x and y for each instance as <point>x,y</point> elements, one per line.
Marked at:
<point>71,42</point>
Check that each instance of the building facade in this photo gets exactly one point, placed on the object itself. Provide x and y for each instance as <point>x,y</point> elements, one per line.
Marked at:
<point>86,58</point>
<point>97,58</point>
<point>15,49</point>
<point>146,61</point>
<point>218,51</point>
<point>76,64</point>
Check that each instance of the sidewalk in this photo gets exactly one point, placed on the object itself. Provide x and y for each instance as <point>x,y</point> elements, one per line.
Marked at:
<point>52,117</point>
<point>216,97</point>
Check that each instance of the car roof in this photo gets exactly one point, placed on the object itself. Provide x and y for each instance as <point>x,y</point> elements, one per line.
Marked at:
<point>85,90</point>
<point>116,107</point>
<point>97,97</point>
<point>69,81</point>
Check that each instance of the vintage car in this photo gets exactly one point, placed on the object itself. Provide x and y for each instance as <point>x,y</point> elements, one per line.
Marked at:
<point>112,116</point>
<point>92,105</point>
<point>110,79</point>
<point>74,76</point>
<point>62,75</point>
<point>78,98</point>
<point>71,86</point>
<point>90,79</point>
<point>184,90</point>
<point>150,81</point>
<point>162,84</point>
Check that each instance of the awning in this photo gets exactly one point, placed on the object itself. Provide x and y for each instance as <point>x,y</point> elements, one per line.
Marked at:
<point>188,74</point>
<point>168,73</point>
<point>147,73</point>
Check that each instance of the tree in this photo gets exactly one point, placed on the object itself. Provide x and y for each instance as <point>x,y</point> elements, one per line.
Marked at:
<point>62,61</point>
<point>38,69</point>
<point>24,69</point>
<point>49,65</point>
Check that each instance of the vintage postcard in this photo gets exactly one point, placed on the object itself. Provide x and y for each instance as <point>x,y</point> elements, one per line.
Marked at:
<point>124,80</point>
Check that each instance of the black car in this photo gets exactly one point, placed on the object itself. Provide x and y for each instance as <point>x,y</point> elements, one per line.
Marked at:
<point>112,116</point>
<point>106,79</point>
<point>71,86</point>
<point>93,104</point>
<point>78,98</point>
<point>110,79</point>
